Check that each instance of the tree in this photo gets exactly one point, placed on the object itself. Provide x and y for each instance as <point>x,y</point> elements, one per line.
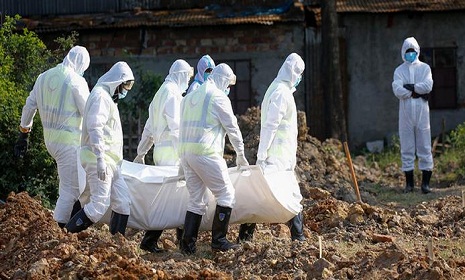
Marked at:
<point>336,124</point>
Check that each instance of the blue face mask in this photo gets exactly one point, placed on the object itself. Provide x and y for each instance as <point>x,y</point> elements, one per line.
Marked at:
<point>298,81</point>
<point>205,76</point>
<point>410,56</point>
<point>227,91</point>
<point>122,94</point>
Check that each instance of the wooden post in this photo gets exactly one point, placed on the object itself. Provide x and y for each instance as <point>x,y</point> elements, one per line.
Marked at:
<point>320,246</point>
<point>352,172</point>
<point>430,251</point>
<point>463,198</point>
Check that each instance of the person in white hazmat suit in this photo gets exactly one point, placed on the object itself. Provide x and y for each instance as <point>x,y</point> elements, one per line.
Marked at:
<point>206,118</point>
<point>60,95</point>
<point>102,153</point>
<point>205,66</point>
<point>412,84</point>
<point>162,132</point>
<point>277,148</point>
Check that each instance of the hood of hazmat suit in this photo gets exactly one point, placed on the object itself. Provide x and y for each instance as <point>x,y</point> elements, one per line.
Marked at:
<point>77,59</point>
<point>207,115</point>
<point>162,127</point>
<point>102,135</point>
<point>292,69</point>
<point>410,43</point>
<point>205,62</point>
<point>180,73</point>
<point>278,131</point>
<point>223,76</point>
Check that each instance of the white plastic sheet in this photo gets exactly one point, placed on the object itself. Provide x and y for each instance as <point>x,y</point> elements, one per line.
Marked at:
<point>159,197</point>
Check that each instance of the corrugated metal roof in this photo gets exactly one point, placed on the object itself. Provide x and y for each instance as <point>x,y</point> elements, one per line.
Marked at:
<point>174,18</point>
<point>27,8</point>
<point>390,6</point>
<point>215,14</point>
<point>386,6</point>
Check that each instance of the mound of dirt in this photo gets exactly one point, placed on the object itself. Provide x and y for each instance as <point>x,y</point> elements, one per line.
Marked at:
<point>345,239</point>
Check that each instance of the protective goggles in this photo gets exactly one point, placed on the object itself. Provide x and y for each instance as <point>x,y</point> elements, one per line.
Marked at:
<point>128,85</point>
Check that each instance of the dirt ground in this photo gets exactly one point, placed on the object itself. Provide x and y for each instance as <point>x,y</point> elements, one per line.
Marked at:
<point>345,239</point>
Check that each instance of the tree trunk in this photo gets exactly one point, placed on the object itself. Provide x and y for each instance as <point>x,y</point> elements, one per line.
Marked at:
<point>335,119</point>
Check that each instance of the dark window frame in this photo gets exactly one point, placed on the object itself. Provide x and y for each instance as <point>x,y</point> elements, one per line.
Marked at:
<point>240,103</point>
<point>443,63</point>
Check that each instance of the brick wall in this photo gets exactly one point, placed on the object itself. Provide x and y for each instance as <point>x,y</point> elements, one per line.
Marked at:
<point>161,41</point>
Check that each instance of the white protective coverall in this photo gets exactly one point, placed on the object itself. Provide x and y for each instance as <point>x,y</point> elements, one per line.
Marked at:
<point>162,126</point>
<point>102,137</point>
<point>278,132</point>
<point>205,62</point>
<point>60,95</point>
<point>206,118</point>
<point>414,123</point>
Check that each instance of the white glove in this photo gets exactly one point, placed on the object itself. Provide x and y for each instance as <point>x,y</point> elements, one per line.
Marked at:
<point>101,169</point>
<point>140,159</point>
<point>262,164</point>
<point>241,161</point>
<point>180,171</point>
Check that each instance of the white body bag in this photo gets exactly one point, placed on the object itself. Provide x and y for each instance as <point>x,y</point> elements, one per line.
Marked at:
<point>159,197</point>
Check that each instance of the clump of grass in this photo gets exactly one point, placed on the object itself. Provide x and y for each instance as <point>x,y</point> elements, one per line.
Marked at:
<point>448,165</point>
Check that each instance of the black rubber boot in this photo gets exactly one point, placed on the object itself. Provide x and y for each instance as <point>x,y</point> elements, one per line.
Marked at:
<point>191,231</point>
<point>296,225</point>
<point>149,242</point>
<point>409,181</point>
<point>118,223</point>
<point>76,208</point>
<point>220,229</point>
<point>78,222</point>
<point>179,233</point>
<point>246,232</point>
<point>425,178</point>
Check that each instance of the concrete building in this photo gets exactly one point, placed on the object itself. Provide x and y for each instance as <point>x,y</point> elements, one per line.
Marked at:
<point>254,37</point>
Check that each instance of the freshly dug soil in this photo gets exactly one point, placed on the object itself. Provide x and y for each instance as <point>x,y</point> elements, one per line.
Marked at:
<point>345,239</point>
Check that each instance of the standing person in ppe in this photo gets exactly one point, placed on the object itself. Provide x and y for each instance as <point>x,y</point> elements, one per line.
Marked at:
<point>204,69</point>
<point>102,152</point>
<point>162,131</point>
<point>278,133</point>
<point>60,95</point>
<point>412,84</point>
<point>206,118</point>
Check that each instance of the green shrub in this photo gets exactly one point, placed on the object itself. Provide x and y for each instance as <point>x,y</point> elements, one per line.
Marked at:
<point>452,160</point>
<point>23,56</point>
